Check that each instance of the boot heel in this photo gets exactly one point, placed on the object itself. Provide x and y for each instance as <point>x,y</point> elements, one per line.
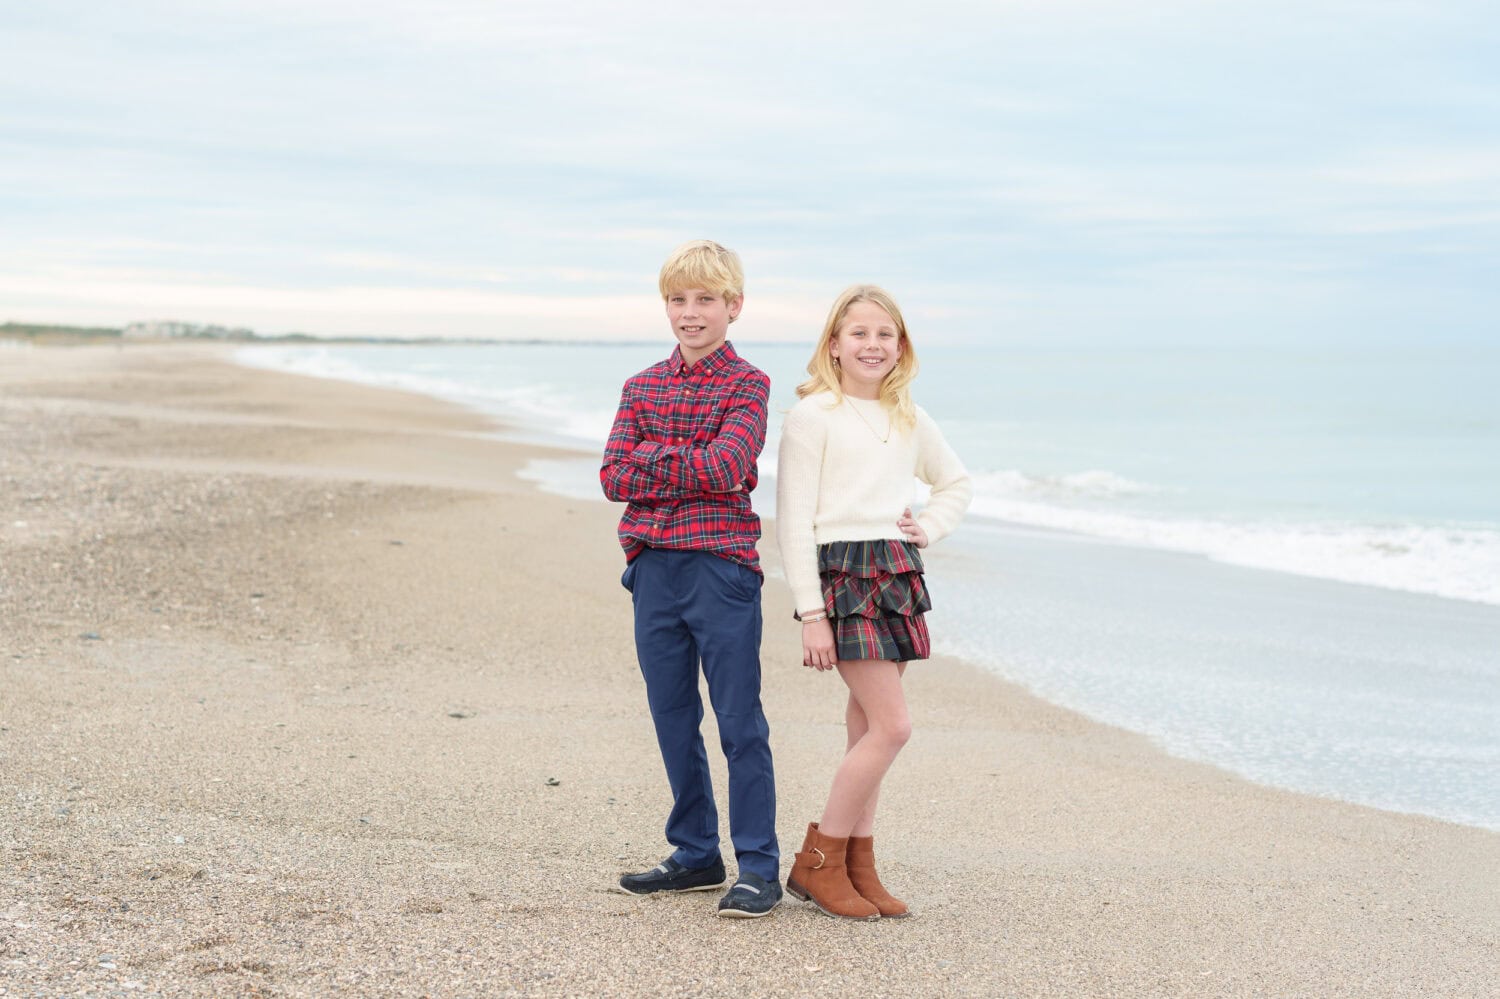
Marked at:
<point>793,888</point>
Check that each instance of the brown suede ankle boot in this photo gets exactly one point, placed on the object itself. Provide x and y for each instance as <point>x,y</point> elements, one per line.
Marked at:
<point>860,861</point>
<point>819,877</point>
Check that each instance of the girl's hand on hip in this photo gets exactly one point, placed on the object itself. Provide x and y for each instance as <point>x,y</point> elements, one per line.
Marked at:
<point>911,529</point>
<point>817,645</point>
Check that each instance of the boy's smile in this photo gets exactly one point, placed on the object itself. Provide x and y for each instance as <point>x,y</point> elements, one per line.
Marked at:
<point>700,321</point>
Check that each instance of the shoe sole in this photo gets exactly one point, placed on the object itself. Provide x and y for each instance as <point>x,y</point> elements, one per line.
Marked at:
<point>617,887</point>
<point>798,891</point>
<point>742,914</point>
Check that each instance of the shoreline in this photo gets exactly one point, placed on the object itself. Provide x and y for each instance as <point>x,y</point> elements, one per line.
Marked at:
<point>1220,739</point>
<point>339,649</point>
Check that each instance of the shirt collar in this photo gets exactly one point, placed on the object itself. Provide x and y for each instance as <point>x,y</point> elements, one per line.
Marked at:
<point>722,356</point>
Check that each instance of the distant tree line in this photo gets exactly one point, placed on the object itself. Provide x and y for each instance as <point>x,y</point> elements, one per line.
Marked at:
<point>39,331</point>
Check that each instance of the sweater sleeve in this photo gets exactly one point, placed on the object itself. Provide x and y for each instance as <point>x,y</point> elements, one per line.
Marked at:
<point>799,466</point>
<point>940,468</point>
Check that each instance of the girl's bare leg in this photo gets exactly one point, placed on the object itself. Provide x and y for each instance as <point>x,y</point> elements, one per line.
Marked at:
<point>856,725</point>
<point>875,687</point>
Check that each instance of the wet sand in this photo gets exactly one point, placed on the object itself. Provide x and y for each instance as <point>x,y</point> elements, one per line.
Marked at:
<point>304,692</point>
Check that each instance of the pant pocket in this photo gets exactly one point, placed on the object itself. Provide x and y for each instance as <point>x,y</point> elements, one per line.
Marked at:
<point>739,580</point>
<point>628,579</point>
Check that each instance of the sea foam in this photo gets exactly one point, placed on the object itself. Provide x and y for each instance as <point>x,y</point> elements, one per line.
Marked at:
<point>1456,561</point>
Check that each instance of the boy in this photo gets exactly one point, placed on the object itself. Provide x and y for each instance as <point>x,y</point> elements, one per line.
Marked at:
<point>682,456</point>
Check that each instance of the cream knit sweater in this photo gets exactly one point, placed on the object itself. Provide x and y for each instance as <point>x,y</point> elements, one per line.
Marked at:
<point>835,481</point>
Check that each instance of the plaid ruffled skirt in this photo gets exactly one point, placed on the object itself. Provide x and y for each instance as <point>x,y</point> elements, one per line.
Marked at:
<point>875,598</point>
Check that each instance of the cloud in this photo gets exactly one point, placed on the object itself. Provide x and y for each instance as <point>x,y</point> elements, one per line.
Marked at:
<point>1437,170</point>
<point>307,155</point>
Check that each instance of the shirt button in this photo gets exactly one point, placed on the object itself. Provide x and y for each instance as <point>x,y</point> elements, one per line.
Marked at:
<point>679,440</point>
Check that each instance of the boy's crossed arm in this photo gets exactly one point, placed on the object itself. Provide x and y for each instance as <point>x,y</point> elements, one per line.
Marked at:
<point>624,481</point>
<point>640,471</point>
<point>724,464</point>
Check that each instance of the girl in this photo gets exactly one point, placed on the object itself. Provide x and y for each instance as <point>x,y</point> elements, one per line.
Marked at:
<point>850,453</point>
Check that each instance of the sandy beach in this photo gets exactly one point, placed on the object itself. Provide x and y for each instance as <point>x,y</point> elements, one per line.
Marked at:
<point>305,692</point>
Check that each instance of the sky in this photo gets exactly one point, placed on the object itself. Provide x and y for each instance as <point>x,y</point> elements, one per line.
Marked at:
<point>1039,172</point>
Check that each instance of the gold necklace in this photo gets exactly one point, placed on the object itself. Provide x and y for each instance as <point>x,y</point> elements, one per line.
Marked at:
<point>888,427</point>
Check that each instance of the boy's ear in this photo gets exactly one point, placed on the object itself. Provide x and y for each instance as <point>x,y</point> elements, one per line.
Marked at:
<point>735,305</point>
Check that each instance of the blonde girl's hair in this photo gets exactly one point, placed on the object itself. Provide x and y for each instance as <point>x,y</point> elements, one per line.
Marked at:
<point>703,264</point>
<point>895,388</point>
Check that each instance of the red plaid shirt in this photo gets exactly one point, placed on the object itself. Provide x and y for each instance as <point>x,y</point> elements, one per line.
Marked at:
<point>683,438</point>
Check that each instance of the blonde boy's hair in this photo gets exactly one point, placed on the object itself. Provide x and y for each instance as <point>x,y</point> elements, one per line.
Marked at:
<point>703,264</point>
<point>895,388</point>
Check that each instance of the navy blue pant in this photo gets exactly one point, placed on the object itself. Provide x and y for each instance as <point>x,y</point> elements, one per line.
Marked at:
<point>693,607</point>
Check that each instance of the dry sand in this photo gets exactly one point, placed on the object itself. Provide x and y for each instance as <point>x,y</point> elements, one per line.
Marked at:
<point>303,692</point>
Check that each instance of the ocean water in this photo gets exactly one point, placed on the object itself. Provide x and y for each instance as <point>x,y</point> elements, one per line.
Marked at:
<point>1287,564</point>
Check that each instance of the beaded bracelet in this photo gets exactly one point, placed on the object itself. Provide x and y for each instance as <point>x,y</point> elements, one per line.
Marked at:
<point>814,617</point>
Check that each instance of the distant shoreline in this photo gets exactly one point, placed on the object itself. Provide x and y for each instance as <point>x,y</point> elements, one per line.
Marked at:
<point>63,335</point>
